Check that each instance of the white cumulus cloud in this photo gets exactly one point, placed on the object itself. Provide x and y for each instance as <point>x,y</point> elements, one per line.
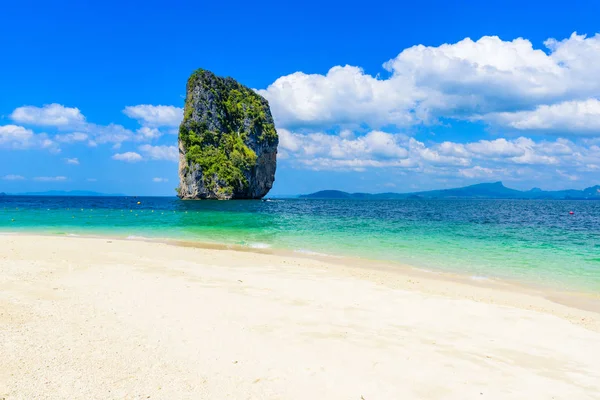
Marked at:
<point>168,153</point>
<point>577,116</point>
<point>71,137</point>
<point>504,83</point>
<point>18,137</point>
<point>155,116</point>
<point>146,133</point>
<point>376,145</point>
<point>498,148</point>
<point>130,157</point>
<point>48,115</point>
<point>344,96</point>
<point>500,158</point>
<point>67,119</point>
<point>160,180</point>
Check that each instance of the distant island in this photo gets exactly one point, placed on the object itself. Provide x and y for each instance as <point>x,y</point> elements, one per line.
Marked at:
<point>495,190</point>
<point>78,193</point>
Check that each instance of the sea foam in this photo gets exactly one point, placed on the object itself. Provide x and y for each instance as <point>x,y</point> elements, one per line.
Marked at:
<point>259,245</point>
<point>314,253</point>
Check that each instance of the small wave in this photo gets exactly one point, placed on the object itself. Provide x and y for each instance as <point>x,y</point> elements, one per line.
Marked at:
<point>72,235</point>
<point>480,278</point>
<point>133,237</point>
<point>314,253</point>
<point>259,245</point>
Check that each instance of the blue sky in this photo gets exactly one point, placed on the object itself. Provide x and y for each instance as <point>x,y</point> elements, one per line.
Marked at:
<point>382,97</point>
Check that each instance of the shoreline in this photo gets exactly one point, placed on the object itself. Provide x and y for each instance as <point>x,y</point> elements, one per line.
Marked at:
<point>585,300</point>
<point>115,318</point>
<point>380,272</point>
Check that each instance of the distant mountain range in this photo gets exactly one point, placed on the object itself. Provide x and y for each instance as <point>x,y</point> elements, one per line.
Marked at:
<point>80,193</point>
<point>494,190</point>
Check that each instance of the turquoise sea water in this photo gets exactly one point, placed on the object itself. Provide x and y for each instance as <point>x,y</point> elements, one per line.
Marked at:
<point>536,242</point>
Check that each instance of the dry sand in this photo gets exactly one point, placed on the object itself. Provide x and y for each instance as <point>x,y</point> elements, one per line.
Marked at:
<point>84,318</point>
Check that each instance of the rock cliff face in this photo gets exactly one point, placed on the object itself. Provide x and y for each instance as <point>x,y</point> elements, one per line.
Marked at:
<point>227,141</point>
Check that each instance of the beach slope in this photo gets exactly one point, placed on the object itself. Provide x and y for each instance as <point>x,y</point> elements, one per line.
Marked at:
<point>97,318</point>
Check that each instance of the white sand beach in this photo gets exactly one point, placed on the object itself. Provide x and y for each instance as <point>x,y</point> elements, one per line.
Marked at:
<point>98,318</point>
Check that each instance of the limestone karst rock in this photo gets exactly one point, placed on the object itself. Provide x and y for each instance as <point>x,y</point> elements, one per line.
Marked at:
<point>227,141</point>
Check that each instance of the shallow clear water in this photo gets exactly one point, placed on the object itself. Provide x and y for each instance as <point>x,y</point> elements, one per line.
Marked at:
<point>532,241</point>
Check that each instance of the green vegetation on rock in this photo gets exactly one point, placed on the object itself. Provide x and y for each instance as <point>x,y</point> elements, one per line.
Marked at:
<point>223,122</point>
